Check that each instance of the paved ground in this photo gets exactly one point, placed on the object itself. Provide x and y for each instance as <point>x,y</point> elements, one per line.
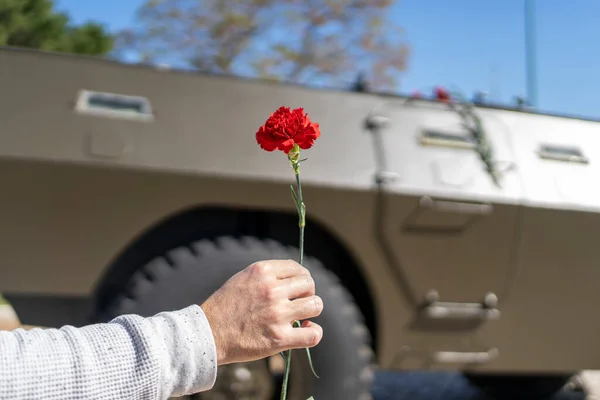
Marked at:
<point>441,386</point>
<point>416,385</point>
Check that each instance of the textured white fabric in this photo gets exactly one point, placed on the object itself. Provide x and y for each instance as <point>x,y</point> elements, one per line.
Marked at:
<point>169,354</point>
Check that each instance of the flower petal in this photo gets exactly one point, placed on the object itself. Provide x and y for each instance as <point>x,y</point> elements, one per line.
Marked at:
<point>286,146</point>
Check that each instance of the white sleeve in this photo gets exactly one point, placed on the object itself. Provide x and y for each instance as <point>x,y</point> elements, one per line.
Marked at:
<point>133,358</point>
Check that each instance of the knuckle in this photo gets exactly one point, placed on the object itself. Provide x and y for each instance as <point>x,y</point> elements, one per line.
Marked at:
<point>269,292</point>
<point>278,336</point>
<point>308,307</point>
<point>298,268</point>
<point>259,268</point>
<point>310,283</point>
<point>293,263</point>
<point>304,270</point>
<point>273,314</point>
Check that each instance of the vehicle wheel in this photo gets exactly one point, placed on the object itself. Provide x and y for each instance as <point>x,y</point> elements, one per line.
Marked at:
<point>189,275</point>
<point>519,386</point>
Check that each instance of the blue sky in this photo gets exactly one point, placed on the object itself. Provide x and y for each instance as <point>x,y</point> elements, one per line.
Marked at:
<point>471,45</point>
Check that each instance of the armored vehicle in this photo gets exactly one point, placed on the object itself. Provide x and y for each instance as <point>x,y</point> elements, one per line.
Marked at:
<point>137,189</point>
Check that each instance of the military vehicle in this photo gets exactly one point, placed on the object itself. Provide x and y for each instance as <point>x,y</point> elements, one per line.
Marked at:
<point>137,189</point>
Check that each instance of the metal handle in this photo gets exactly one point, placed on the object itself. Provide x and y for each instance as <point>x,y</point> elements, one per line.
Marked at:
<point>457,357</point>
<point>461,311</point>
<point>456,206</point>
<point>486,310</point>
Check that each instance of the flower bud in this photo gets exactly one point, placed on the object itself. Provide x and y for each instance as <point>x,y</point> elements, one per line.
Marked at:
<point>294,155</point>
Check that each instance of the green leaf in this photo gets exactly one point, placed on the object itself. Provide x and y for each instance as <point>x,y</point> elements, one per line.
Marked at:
<point>297,324</point>
<point>483,145</point>
<point>312,368</point>
<point>296,201</point>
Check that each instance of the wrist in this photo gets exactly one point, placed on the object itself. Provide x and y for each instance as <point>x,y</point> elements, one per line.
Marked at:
<point>213,321</point>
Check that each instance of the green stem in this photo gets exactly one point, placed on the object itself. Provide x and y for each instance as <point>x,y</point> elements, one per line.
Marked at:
<point>286,376</point>
<point>301,224</point>
<point>302,221</point>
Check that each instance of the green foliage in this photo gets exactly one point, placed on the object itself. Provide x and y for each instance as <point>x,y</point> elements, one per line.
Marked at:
<point>317,42</point>
<point>35,24</point>
<point>472,122</point>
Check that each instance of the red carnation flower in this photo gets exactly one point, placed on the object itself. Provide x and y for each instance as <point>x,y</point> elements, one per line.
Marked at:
<point>286,128</point>
<point>442,94</point>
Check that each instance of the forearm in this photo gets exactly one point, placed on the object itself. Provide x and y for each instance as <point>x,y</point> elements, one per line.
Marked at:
<point>170,354</point>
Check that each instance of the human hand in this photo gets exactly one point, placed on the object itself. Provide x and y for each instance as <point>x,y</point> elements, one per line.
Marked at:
<point>251,315</point>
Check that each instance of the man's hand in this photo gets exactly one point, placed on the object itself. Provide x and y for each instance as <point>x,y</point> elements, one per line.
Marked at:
<point>251,315</point>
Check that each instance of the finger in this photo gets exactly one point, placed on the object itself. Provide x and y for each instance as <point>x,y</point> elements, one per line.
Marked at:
<point>298,286</point>
<point>305,308</point>
<point>307,323</point>
<point>308,336</point>
<point>287,268</point>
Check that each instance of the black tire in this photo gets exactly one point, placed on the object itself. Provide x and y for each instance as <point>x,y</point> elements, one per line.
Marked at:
<point>189,275</point>
<point>500,387</point>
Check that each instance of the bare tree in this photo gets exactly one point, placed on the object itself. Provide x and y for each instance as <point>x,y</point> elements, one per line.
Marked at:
<point>316,42</point>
